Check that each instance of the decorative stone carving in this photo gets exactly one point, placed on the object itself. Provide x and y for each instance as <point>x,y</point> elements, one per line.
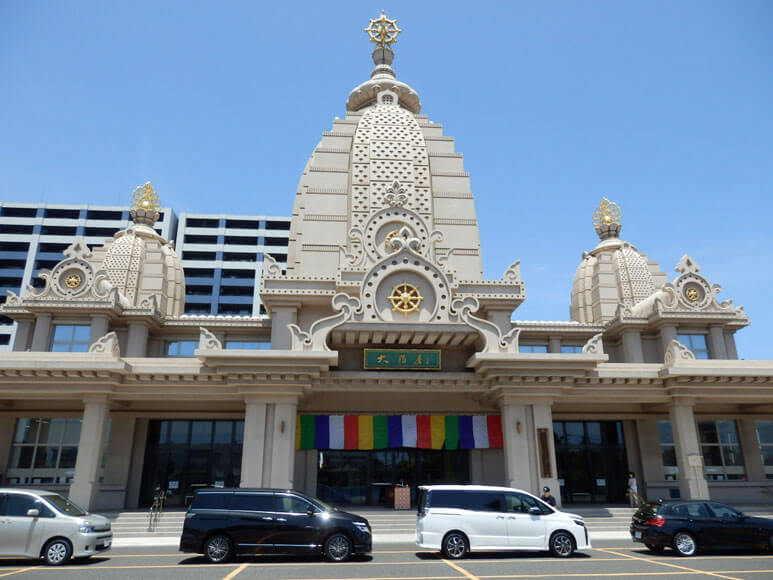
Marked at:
<point>13,299</point>
<point>208,341</point>
<point>395,195</point>
<point>493,340</point>
<point>513,272</point>
<point>107,344</point>
<point>271,268</point>
<point>595,345</point>
<point>315,339</point>
<point>676,352</point>
<point>687,265</point>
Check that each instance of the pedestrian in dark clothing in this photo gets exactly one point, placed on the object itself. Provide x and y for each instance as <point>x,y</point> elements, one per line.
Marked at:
<point>547,498</point>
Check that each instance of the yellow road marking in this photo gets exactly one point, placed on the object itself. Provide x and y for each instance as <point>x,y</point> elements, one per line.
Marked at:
<point>669,565</point>
<point>460,570</point>
<point>235,572</point>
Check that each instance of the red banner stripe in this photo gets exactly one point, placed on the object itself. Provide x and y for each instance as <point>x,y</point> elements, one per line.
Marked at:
<point>351,432</point>
<point>423,432</point>
<point>495,440</point>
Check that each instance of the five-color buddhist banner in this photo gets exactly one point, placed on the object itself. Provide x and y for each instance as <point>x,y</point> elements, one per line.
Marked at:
<point>392,431</point>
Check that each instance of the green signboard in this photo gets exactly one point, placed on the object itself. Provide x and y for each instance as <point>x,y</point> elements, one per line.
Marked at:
<point>401,360</point>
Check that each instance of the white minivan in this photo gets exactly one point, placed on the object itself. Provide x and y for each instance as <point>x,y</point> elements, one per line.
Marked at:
<point>457,519</point>
<point>43,524</point>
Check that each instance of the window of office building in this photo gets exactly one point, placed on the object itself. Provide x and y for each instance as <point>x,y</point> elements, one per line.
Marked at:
<point>181,347</point>
<point>721,448</point>
<point>668,450</point>
<point>765,438</point>
<point>70,338</point>
<point>696,343</point>
<point>44,451</point>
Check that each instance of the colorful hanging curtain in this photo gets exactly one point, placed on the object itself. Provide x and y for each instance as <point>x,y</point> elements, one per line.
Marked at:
<point>391,431</point>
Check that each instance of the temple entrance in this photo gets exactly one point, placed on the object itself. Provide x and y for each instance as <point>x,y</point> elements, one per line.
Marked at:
<point>592,463</point>
<point>370,477</point>
<point>183,456</point>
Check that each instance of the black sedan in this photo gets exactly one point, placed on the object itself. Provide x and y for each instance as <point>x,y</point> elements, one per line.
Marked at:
<point>688,526</point>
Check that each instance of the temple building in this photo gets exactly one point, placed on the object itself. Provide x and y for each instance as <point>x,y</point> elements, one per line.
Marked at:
<point>385,358</point>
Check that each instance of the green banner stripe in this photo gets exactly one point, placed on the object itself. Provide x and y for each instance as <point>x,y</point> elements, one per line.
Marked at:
<point>380,432</point>
<point>452,431</point>
<point>308,436</point>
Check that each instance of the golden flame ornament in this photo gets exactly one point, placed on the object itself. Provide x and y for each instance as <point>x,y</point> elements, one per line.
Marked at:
<point>145,198</point>
<point>607,218</point>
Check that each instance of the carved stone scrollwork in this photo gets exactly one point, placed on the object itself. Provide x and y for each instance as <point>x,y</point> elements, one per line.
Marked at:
<point>271,268</point>
<point>208,341</point>
<point>13,299</point>
<point>687,265</point>
<point>595,345</point>
<point>513,272</point>
<point>494,341</point>
<point>676,353</point>
<point>108,344</point>
<point>315,339</point>
<point>396,195</point>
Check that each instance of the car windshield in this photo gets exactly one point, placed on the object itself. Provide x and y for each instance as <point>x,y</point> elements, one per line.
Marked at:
<point>648,510</point>
<point>317,502</point>
<point>64,505</point>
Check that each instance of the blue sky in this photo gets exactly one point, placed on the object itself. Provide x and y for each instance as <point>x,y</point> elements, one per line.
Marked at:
<point>661,106</point>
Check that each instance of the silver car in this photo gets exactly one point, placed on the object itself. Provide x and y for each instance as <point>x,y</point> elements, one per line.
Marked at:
<point>43,524</point>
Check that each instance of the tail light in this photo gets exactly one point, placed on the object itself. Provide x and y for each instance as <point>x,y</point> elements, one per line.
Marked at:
<point>656,521</point>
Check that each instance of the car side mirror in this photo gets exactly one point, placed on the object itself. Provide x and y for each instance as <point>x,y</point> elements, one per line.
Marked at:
<point>310,511</point>
<point>535,511</point>
<point>741,516</point>
<point>33,513</point>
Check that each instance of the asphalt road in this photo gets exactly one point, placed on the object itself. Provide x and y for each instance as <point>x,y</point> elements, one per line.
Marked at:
<point>613,559</point>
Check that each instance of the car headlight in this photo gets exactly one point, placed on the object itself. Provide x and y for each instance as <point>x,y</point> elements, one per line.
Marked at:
<point>579,522</point>
<point>362,526</point>
<point>86,529</point>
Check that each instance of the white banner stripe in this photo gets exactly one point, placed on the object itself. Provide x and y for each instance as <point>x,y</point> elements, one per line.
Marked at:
<point>409,430</point>
<point>480,431</point>
<point>336,431</point>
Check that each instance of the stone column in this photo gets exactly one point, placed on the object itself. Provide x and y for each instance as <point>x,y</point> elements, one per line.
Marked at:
<point>651,454</point>
<point>254,441</point>
<point>7,425</point>
<point>23,333</point>
<point>543,419</point>
<point>519,469</point>
<point>137,344</point>
<point>667,334</point>
<point>692,483</point>
<point>717,346</point>
<point>118,460</point>
<point>632,348</point>
<point>750,446</point>
<point>732,352</point>
<point>554,345</point>
<point>41,337</point>
<point>281,316</point>
<point>99,325</point>
<point>282,448</point>
<point>85,488</point>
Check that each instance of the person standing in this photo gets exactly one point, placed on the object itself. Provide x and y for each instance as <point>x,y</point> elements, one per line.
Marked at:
<point>547,498</point>
<point>633,490</point>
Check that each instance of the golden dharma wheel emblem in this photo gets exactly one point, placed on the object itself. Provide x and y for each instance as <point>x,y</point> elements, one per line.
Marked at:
<point>405,298</point>
<point>388,239</point>
<point>73,281</point>
<point>606,214</point>
<point>383,31</point>
<point>692,294</point>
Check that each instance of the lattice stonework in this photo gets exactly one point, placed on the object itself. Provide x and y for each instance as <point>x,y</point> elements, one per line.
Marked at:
<point>634,276</point>
<point>388,146</point>
<point>123,263</point>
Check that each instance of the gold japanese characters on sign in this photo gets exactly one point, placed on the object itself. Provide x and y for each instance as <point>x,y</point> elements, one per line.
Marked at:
<point>606,214</point>
<point>405,298</point>
<point>383,31</point>
<point>145,198</point>
<point>73,281</point>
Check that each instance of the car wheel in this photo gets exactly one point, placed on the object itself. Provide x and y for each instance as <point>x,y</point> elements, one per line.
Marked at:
<point>338,548</point>
<point>455,546</point>
<point>562,544</point>
<point>654,548</point>
<point>685,544</point>
<point>57,552</point>
<point>218,549</point>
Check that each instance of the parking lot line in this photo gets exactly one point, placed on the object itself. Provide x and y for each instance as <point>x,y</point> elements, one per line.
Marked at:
<point>11,573</point>
<point>632,557</point>
<point>460,570</point>
<point>235,573</point>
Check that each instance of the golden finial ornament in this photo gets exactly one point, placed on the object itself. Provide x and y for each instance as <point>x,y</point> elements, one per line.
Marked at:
<point>383,31</point>
<point>607,219</point>
<point>145,198</point>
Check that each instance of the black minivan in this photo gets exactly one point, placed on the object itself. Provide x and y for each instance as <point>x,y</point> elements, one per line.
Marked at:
<point>223,522</point>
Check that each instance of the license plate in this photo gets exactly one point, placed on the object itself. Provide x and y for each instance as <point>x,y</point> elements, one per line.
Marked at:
<point>637,534</point>
<point>106,543</point>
